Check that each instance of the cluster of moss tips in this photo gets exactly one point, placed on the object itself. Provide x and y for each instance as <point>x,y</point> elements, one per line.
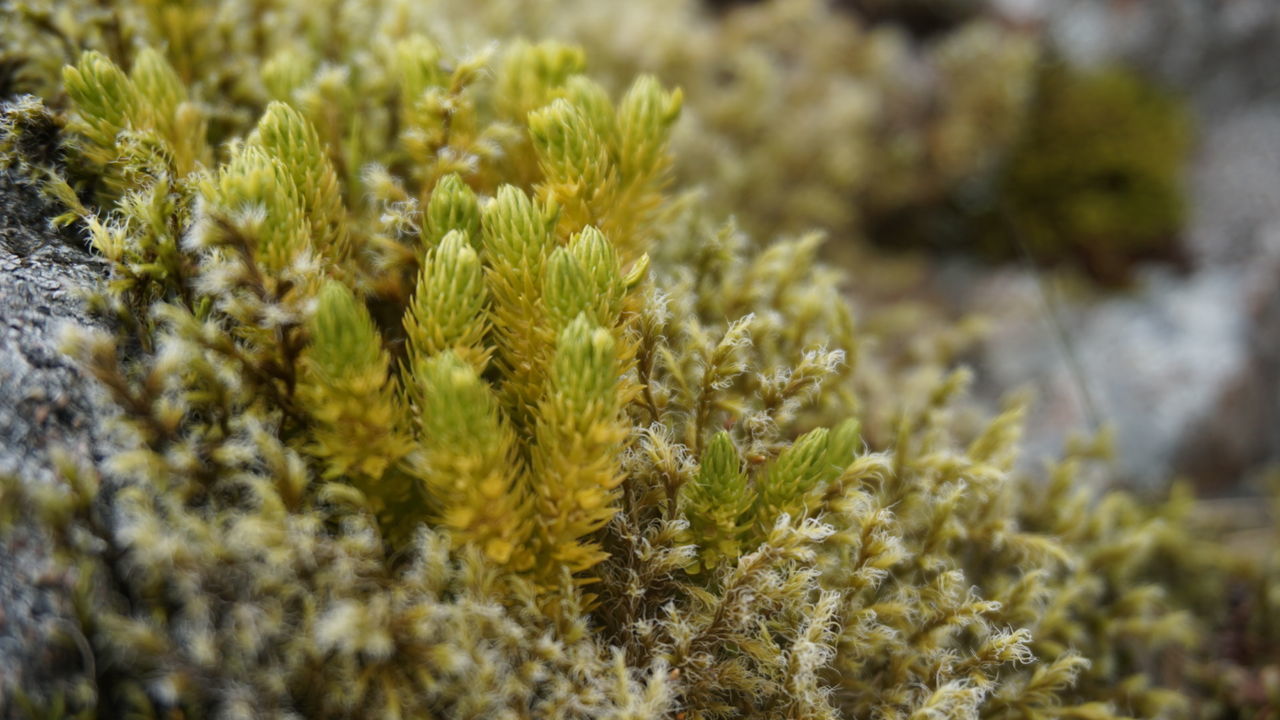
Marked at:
<point>434,401</point>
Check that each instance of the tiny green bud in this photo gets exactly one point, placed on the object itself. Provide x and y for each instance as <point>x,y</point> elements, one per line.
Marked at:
<point>453,206</point>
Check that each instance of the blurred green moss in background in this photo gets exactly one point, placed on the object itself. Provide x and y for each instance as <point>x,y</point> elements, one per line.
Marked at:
<point>1097,177</point>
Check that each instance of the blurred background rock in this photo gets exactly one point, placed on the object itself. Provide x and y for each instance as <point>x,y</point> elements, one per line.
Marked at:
<point>1185,362</point>
<point>1142,295</point>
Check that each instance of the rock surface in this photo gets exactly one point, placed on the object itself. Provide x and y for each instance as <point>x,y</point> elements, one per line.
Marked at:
<point>1186,366</point>
<point>1219,51</point>
<point>45,404</point>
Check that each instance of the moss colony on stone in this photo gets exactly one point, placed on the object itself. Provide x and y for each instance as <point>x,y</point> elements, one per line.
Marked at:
<point>1094,179</point>
<point>437,400</point>
<point>1097,175</point>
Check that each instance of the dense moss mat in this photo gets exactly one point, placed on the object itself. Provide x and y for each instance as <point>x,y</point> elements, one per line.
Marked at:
<point>1098,176</point>
<point>439,398</point>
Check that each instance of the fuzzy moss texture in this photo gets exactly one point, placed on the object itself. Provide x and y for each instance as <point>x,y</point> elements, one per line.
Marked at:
<point>437,401</point>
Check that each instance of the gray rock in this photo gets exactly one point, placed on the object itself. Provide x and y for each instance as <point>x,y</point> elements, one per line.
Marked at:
<point>1217,51</point>
<point>45,404</point>
<point>1157,366</point>
<point>1185,367</point>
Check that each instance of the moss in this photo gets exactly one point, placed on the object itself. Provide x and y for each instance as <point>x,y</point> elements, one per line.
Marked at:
<point>1098,175</point>
<point>437,401</point>
<point>914,118</point>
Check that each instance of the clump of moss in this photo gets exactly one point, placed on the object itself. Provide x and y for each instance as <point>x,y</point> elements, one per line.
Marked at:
<point>1094,181</point>
<point>434,400</point>
<point>856,118</point>
<point>1097,177</point>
